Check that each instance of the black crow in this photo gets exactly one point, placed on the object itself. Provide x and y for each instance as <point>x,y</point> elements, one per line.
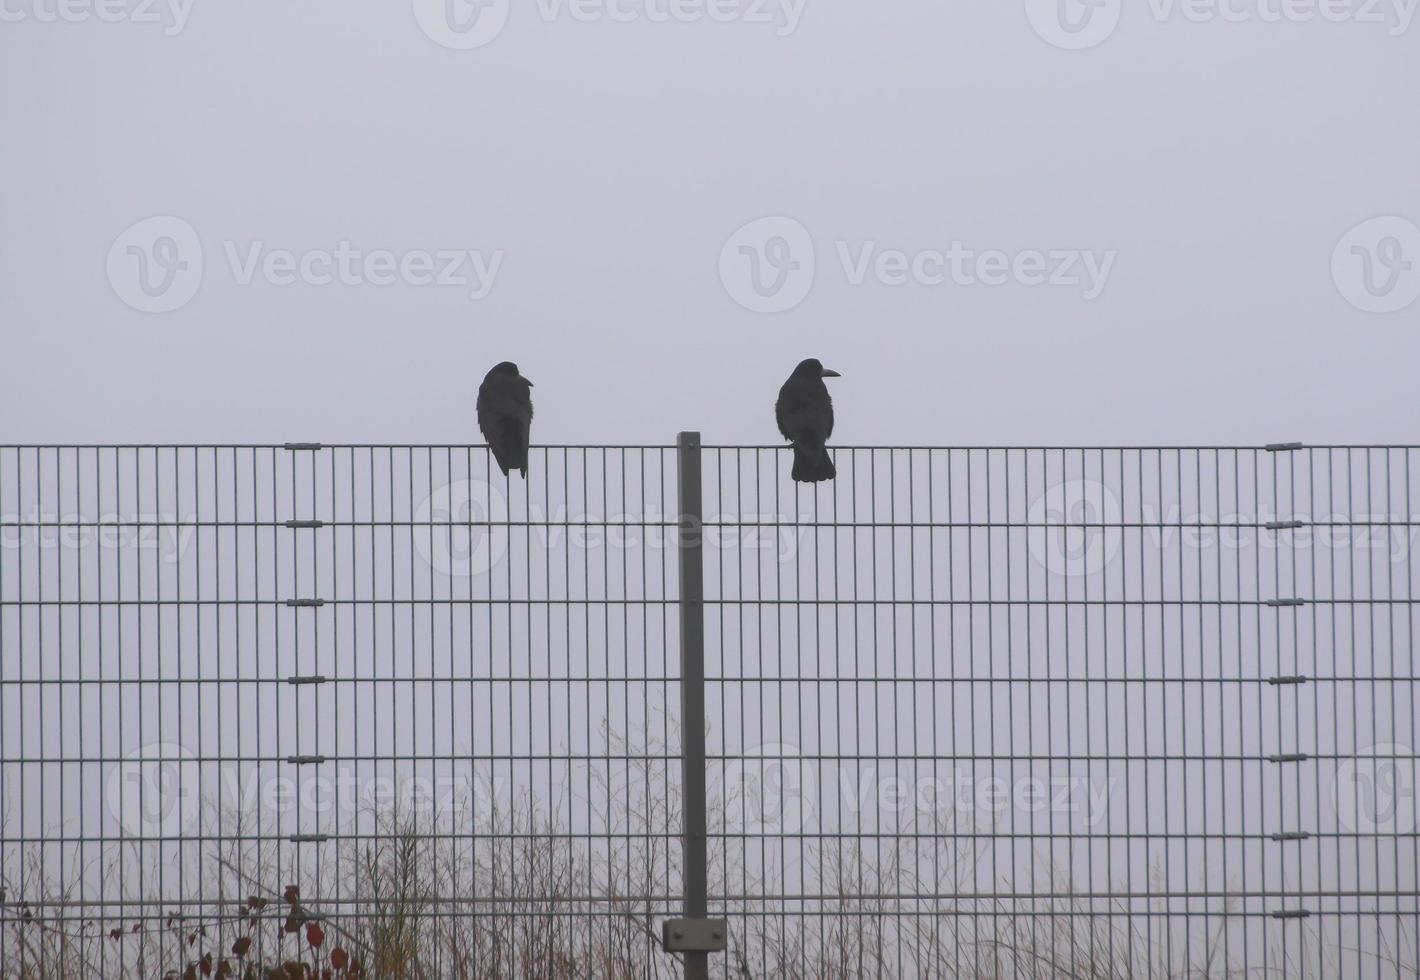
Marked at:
<point>805,415</point>
<point>505,413</point>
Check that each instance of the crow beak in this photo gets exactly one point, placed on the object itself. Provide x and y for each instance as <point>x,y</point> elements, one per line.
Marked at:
<point>525,381</point>
<point>831,374</point>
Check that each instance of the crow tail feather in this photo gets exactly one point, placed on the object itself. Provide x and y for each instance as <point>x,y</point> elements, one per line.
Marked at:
<point>812,464</point>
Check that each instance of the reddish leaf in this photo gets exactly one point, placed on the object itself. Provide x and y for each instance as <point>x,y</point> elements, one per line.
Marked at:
<point>315,935</point>
<point>339,958</point>
<point>292,895</point>
<point>241,946</point>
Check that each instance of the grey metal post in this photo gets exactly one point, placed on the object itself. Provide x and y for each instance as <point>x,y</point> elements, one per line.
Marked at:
<point>694,936</point>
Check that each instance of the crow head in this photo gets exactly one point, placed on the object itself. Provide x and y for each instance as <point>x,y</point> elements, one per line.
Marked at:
<point>813,368</point>
<point>509,370</point>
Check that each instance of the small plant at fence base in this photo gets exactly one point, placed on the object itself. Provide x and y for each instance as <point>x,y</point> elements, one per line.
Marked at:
<point>265,940</point>
<point>244,959</point>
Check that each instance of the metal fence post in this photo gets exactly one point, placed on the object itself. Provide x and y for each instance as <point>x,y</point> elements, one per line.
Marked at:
<point>695,936</point>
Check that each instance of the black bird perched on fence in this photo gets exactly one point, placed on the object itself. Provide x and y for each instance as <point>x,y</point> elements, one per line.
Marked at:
<point>805,415</point>
<point>505,413</point>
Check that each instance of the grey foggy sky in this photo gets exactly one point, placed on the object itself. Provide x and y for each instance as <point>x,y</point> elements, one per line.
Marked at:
<point>611,162</point>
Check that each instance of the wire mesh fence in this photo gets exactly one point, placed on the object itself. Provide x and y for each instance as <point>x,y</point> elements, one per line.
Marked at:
<point>983,712</point>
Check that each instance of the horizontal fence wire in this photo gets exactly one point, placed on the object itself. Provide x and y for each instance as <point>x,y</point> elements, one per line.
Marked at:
<point>989,711</point>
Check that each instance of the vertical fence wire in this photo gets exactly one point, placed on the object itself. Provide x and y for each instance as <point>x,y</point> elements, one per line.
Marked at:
<point>971,712</point>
